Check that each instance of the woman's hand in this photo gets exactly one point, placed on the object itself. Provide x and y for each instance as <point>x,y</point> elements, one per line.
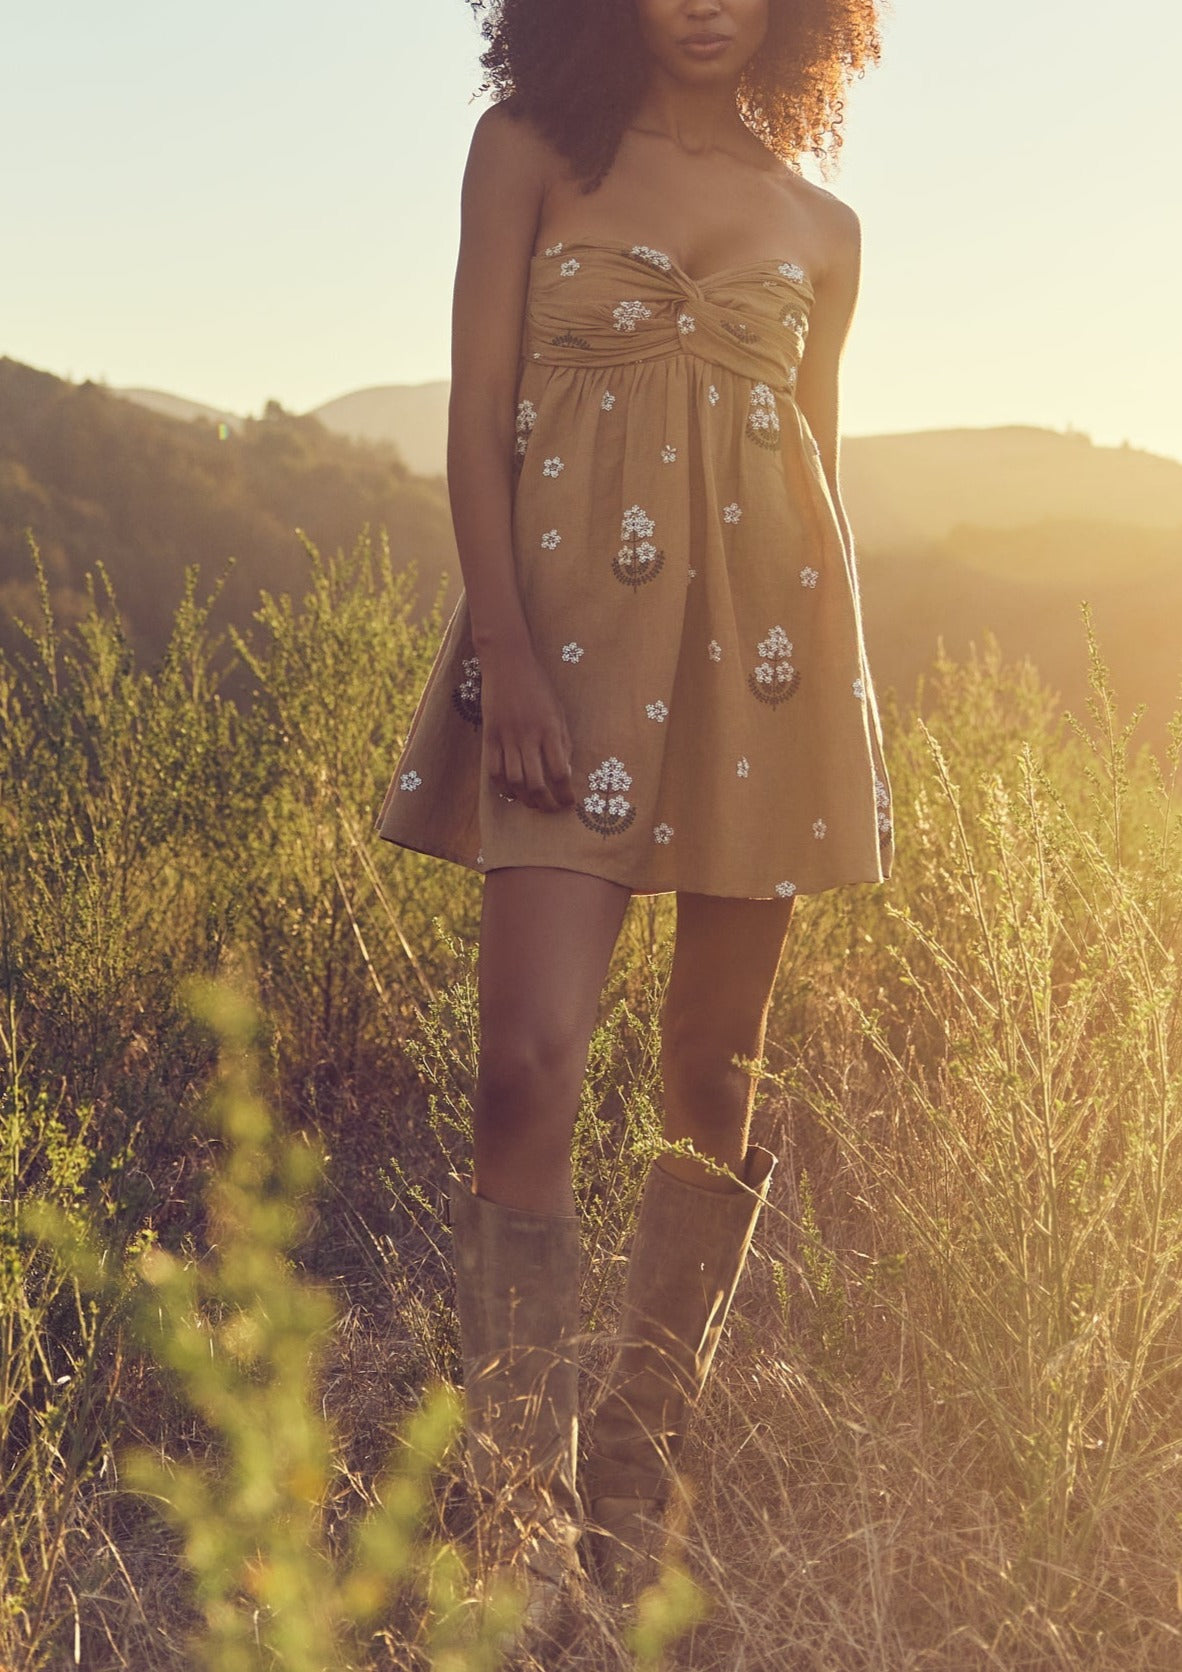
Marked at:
<point>527,747</point>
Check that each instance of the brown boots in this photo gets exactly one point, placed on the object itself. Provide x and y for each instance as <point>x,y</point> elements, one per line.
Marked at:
<point>690,1247</point>
<point>517,1297</point>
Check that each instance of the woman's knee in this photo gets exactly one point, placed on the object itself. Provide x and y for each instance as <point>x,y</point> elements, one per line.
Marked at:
<point>531,1067</point>
<point>699,1046</point>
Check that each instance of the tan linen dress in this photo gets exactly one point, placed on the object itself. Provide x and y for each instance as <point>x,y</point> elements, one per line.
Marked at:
<point>688,592</point>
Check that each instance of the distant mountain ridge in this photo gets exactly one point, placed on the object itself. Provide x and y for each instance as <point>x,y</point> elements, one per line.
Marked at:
<point>1005,528</point>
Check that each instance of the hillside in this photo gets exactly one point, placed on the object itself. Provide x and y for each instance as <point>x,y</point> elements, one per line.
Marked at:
<point>103,480</point>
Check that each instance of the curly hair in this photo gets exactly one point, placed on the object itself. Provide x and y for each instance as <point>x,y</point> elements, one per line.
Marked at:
<point>579,69</point>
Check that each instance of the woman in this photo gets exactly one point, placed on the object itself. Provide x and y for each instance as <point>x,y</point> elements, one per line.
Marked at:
<point>655,680</point>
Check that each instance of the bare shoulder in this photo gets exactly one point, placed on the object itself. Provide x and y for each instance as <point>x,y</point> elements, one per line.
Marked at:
<point>506,140</point>
<point>837,234</point>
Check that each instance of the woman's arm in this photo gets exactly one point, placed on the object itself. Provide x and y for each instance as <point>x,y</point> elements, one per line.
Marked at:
<point>526,743</point>
<point>835,297</point>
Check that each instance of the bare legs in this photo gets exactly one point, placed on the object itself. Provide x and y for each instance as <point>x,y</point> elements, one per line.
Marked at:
<point>545,945</point>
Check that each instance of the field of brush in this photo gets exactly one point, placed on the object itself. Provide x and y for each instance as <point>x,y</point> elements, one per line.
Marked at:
<point>236,1055</point>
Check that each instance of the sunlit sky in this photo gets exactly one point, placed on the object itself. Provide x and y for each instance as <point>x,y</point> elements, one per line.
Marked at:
<point>239,201</point>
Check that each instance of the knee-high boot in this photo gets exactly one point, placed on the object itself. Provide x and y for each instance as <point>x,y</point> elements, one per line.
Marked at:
<point>517,1298</point>
<point>689,1250</point>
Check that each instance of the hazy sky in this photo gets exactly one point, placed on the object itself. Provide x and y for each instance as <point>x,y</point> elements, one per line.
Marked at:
<point>240,201</point>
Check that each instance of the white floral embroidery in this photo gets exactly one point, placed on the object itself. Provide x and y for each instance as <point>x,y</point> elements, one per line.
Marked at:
<point>763,421</point>
<point>466,695</point>
<point>785,890</point>
<point>638,559</point>
<point>480,859</point>
<point>809,576</point>
<point>791,271</point>
<point>693,574</point>
<point>712,395</point>
<point>795,321</point>
<point>714,650</point>
<point>656,258</point>
<point>743,770</point>
<point>606,808</point>
<point>882,798</point>
<point>656,711</point>
<point>551,467</point>
<point>550,539</point>
<point>732,513</point>
<point>663,834</point>
<point>792,380</point>
<point>819,828</point>
<point>572,652</point>
<point>859,689</point>
<point>555,249</point>
<point>668,454</point>
<point>774,678</point>
<point>409,781</point>
<point>608,401</point>
<point>686,322</point>
<point>626,315</point>
<point>527,417</point>
<point>570,267</point>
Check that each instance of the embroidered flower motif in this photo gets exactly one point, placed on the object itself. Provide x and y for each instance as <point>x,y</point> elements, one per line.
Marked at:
<point>668,454</point>
<point>480,859</point>
<point>791,271</point>
<point>859,689</point>
<point>656,711</point>
<point>527,417</point>
<point>809,576</point>
<point>466,695</point>
<point>743,770</point>
<point>550,539</point>
<point>792,380</point>
<point>819,829</point>
<point>626,314</point>
<point>882,798</point>
<point>638,559</point>
<point>663,834</point>
<point>732,513</point>
<point>714,650</point>
<point>570,267</point>
<point>409,781</point>
<point>551,467</point>
<point>686,322</point>
<point>763,421</point>
<point>569,339</point>
<point>741,332</point>
<point>774,679</point>
<point>606,808</point>
<point>572,652</point>
<point>655,258</point>
<point>785,890</point>
<point>794,320</point>
<point>692,574</point>
<point>555,249</point>
<point>712,395</point>
<point>608,401</point>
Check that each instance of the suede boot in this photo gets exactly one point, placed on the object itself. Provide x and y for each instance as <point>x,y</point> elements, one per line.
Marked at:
<point>689,1249</point>
<point>517,1299</point>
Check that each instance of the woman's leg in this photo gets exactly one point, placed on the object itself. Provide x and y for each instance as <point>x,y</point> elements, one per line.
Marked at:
<point>546,941</point>
<point>724,969</point>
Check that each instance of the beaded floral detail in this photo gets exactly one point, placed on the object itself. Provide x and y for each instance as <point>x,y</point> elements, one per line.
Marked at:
<point>527,417</point>
<point>859,689</point>
<point>638,559</point>
<point>809,576</point>
<point>712,395</point>
<point>570,267</point>
<point>742,333</point>
<point>656,711</point>
<point>608,401</point>
<point>409,781</point>
<point>668,454</point>
<point>714,651</point>
<point>774,679</point>
<point>572,652</point>
<point>792,380</point>
<point>466,695</point>
<point>686,322</point>
<point>606,808</point>
<point>743,769</point>
<point>626,314</point>
<point>795,321</point>
<point>791,271</point>
<point>662,834</point>
<point>551,539</point>
<point>785,890</point>
<point>654,258</point>
<point>552,467</point>
<point>882,800</point>
<point>555,249</point>
<point>733,512</point>
<point>820,829</point>
<point>763,421</point>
